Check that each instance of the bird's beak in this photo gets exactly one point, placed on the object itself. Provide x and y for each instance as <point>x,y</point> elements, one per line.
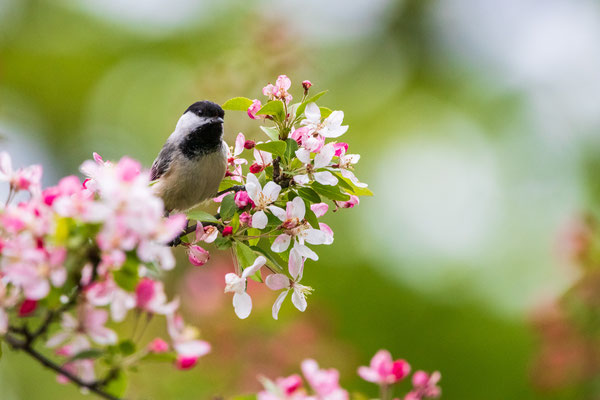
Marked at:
<point>218,120</point>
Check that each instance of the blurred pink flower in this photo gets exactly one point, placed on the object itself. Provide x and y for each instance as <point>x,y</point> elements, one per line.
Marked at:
<point>384,370</point>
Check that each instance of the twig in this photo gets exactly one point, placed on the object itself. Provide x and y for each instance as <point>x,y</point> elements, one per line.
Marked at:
<point>236,188</point>
<point>94,387</point>
<point>189,229</point>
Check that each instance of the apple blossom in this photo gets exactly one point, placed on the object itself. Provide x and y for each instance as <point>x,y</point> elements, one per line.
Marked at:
<point>242,302</point>
<point>197,255</point>
<point>384,370</point>
<point>424,386</point>
<point>262,199</point>
<point>331,127</point>
<point>299,292</point>
<point>279,90</point>
<point>324,382</point>
<point>185,342</point>
<point>253,109</point>
<point>322,160</point>
<point>150,297</point>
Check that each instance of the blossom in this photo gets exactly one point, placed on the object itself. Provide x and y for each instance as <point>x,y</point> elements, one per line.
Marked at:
<point>197,255</point>
<point>150,297</point>
<point>27,178</point>
<point>8,298</point>
<point>384,370</point>
<point>188,348</point>
<point>262,199</point>
<point>346,164</point>
<point>262,159</point>
<point>295,227</point>
<point>281,281</point>
<point>242,199</point>
<point>89,322</point>
<point>279,90</point>
<point>424,386</point>
<point>306,84</point>
<point>287,388</point>
<point>325,382</point>
<point>253,109</point>
<point>109,293</point>
<point>207,234</point>
<point>158,346</point>
<point>331,127</point>
<point>321,160</point>
<point>311,141</point>
<point>242,302</point>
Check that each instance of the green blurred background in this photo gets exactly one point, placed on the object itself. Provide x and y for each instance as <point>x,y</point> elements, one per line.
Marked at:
<point>477,123</point>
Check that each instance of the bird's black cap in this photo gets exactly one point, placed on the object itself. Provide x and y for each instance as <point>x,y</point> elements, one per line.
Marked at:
<point>206,108</point>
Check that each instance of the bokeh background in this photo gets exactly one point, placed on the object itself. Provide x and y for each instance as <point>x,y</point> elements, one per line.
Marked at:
<point>478,127</point>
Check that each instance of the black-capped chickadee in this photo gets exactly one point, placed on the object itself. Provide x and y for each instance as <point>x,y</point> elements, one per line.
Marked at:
<point>193,161</point>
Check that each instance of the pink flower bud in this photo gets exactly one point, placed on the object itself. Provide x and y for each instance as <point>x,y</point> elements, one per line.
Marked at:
<point>184,362</point>
<point>246,219</point>
<point>306,85</point>
<point>145,292</point>
<point>242,199</point>
<point>197,255</point>
<point>253,109</point>
<point>228,230</point>
<point>158,346</point>
<point>256,168</point>
<point>340,148</point>
<point>354,201</point>
<point>249,144</point>
<point>27,307</point>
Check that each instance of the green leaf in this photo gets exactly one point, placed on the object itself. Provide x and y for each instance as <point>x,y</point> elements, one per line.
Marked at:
<point>308,194</point>
<point>245,397</point>
<point>237,104</point>
<point>274,107</point>
<point>253,232</point>
<point>235,222</point>
<point>325,112</point>
<point>271,132</point>
<point>87,354</point>
<point>351,187</point>
<point>118,385</point>
<point>127,347</point>
<point>277,147</point>
<point>228,207</point>
<point>223,243</point>
<point>199,215</point>
<point>127,276</point>
<point>290,149</point>
<point>245,255</point>
<point>311,218</point>
<point>331,192</point>
<point>272,259</point>
<point>227,183</point>
<point>312,99</point>
<point>160,357</point>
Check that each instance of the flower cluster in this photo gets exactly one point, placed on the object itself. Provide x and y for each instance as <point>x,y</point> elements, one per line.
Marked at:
<point>290,181</point>
<point>85,253</point>
<point>324,383</point>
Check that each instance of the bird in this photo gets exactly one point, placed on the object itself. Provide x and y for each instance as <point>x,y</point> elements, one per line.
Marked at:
<point>193,161</point>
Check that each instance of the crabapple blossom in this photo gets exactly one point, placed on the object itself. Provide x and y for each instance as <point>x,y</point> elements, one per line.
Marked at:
<point>346,164</point>
<point>89,323</point>
<point>287,388</point>
<point>322,160</point>
<point>384,370</point>
<point>189,349</point>
<point>324,382</point>
<point>242,199</point>
<point>197,255</point>
<point>262,199</point>
<point>262,159</point>
<point>158,346</point>
<point>206,234</point>
<point>236,284</point>
<point>108,293</point>
<point>424,386</point>
<point>306,84</point>
<point>331,127</point>
<point>253,109</point>
<point>354,201</point>
<point>27,178</point>
<point>150,297</point>
<point>279,90</point>
<point>299,292</point>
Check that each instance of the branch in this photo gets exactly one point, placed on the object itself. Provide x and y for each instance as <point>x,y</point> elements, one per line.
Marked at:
<point>236,188</point>
<point>26,346</point>
<point>191,228</point>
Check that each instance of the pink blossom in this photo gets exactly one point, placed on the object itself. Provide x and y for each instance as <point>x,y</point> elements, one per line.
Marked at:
<point>150,297</point>
<point>197,255</point>
<point>188,348</point>
<point>90,322</point>
<point>242,199</point>
<point>319,209</point>
<point>354,201</point>
<point>279,90</point>
<point>27,178</point>
<point>384,370</point>
<point>27,307</point>
<point>107,293</point>
<point>227,231</point>
<point>306,84</point>
<point>246,219</point>
<point>158,346</point>
<point>424,386</point>
<point>206,234</point>
<point>340,148</point>
<point>315,169</point>
<point>253,109</point>
<point>346,164</point>
<point>249,144</point>
<point>287,388</point>
<point>262,199</point>
<point>331,127</point>
<point>325,382</point>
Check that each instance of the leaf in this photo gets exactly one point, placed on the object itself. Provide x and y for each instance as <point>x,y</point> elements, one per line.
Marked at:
<point>228,207</point>
<point>245,397</point>
<point>237,104</point>
<point>227,183</point>
<point>277,147</point>
<point>127,347</point>
<point>253,232</point>
<point>271,132</point>
<point>331,192</point>
<point>203,216</point>
<point>118,385</point>
<point>223,243</point>
<point>87,354</point>
<point>274,107</point>
<point>308,194</point>
<point>127,276</point>
<point>272,259</point>
<point>245,255</point>
<point>160,357</point>
<point>312,99</point>
<point>325,112</point>
<point>312,218</point>
<point>290,149</point>
<point>235,222</point>
<point>351,187</point>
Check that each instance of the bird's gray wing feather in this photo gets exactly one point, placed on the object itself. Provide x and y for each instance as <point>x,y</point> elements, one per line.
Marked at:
<point>163,161</point>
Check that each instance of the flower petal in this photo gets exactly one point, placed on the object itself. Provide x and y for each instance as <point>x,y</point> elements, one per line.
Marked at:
<point>278,303</point>
<point>325,156</point>
<point>299,299</point>
<point>259,220</point>
<point>278,212</point>
<point>242,304</point>
<point>326,178</point>
<point>277,282</point>
<point>312,112</point>
<point>251,270</point>
<point>298,208</point>
<point>281,243</point>
<point>271,191</point>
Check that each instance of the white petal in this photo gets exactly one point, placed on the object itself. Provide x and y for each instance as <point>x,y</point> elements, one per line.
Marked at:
<point>278,212</point>
<point>349,175</point>
<point>303,155</point>
<point>242,304</point>
<point>271,191</point>
<point>239,144</point>
<point>314,236</point>
<point>301,179</point>
<point>326,178</point>
<point>298,208</point>
<point>193,348</point>
<point>312,112</point>
<point>325,156</point>
<point>295,265</point>
<point>278,303</point>
<point>281,243</point>
<point>103,336</point>
<point>252,187</point>
<point>251,270</point>
<point>299,300</point>
<point>259,220</point>
<point>306,252</point>
<point>334,119</point>
<point>57,339</point>
<point>277,282</point>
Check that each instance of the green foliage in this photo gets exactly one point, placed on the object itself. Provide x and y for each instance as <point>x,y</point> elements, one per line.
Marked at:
<point>271,132</point>
<point>118,385</point>
<point>309,194</point>
<point>87,354</point>
<point>228,207</point>
<point>274,108</point>
<point>290,149</point>
<point>312,99</point>
<point>127,276</point>
<point>237,104</point>
<point>203,216</point>
<point>331,192</point>
<point>277,148</point>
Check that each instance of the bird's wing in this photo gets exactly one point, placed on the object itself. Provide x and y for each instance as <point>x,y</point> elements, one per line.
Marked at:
<point>163,161</point>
